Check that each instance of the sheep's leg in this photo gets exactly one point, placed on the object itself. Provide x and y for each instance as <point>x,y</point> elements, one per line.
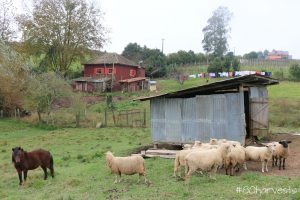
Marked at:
<point>231,170</point>
<point>119,177</point>
<point>273,160</point>
<point>245,166</point>
<point>187,180</point>
<point>283,164</point>
<point>266,165</point>
<point>213,172</point>
<point>280,158</point>
<point>116,179</point>
<point>276,158</point>
<point>262,168</point>
<point>226,168</point>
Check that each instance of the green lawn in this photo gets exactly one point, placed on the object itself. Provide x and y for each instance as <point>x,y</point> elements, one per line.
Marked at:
<point>81,172</point>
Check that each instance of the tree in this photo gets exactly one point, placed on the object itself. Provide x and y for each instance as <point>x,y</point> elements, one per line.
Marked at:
<point>251,55</point>
<point>7,21</point>
<point>153,59</point>
<point>13,78</point>
<point>216,32</point>
<point>294,71</point>
<point>60,29</point>
<point>42,90</point>
<point>133,52</point>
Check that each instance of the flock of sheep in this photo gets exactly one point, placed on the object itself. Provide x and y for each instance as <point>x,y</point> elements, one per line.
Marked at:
<point>207,157</point>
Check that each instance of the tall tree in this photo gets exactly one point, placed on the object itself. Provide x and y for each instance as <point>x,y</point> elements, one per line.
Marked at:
<point>13,78</point>
<point>7,20</point>
<point>216,32</point>
<point>59,29</point>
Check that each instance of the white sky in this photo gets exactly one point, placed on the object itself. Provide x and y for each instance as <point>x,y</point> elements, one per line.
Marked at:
<point>256,25</point>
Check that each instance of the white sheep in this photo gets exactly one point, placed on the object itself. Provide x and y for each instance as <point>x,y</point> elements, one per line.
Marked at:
<point>262,154</point>
<point>235,158</point>
<point>213,141</point>
<point>281,152</point>
<point>179,160</point>
<point>206,160</point>
<point>197,144</point>
<point>126,165</point>
<point>186,146</point>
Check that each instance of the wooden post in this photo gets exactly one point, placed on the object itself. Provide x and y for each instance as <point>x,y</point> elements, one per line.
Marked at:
<point>144,117</point>
<point>1,113</point>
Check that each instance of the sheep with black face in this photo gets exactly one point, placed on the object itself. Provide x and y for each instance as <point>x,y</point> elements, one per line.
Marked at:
<point>281,152</point>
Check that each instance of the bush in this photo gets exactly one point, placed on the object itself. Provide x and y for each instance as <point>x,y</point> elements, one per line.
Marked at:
<point>294,71</point>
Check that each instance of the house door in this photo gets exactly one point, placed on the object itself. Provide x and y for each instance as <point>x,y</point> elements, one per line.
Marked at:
<point>259,109</point>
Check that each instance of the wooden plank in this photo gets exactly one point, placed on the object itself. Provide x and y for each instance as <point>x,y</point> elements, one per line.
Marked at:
<point>161,156</point>
<point>161,151</point>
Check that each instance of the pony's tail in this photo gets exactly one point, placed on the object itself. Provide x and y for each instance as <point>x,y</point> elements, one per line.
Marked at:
<point>51,166</point>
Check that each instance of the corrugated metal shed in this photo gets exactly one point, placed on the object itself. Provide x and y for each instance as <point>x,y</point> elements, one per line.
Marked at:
<point>215,110</point>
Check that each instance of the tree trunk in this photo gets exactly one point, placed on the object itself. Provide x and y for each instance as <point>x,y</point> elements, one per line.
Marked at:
<point>39,115</point>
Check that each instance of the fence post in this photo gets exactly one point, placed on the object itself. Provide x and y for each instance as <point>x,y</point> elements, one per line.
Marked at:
<point>144,117</point>
<point>105,117</point>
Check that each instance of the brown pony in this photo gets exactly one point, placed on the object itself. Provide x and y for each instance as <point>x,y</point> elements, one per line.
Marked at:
<point>25,161</point>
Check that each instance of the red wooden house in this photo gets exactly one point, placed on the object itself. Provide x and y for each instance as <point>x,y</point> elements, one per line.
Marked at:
<point>114,71</point>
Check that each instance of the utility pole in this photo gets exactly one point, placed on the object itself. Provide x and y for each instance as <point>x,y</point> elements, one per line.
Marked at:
<point>162,45</point>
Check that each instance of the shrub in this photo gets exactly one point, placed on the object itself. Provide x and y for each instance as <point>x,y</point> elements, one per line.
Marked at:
<point>294,71</point>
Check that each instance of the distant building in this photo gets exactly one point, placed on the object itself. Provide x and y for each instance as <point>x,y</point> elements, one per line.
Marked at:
<point>111,71</point>
<point>279,55</point>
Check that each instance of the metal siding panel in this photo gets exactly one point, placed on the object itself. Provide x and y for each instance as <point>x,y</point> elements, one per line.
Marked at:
<point>158,120</point>
<point>189,120</point>
<point>235,118</point>
<point>173,120</point>
<point>219,126</point>
<point>199,118</point>
<point>204,115</point>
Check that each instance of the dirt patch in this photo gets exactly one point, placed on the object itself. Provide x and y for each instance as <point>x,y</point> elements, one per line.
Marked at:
<point>292,163</point>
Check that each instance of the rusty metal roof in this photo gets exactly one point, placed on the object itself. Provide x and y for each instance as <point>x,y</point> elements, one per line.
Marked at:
<point>111,58</point>
<point>219,86</point>
<point>130,80</point>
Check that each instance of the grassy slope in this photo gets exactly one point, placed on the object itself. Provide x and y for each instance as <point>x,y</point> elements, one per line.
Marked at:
<point>81,172</point>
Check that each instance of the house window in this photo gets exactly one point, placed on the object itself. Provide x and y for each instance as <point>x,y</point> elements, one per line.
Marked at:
<point>132,73</point>
<point>99,71</point>
<point>110,71</point>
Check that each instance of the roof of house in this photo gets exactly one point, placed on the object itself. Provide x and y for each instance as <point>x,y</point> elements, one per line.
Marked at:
<point>219,86</point>
<point>111,58</point>
<point>132,80</point>
<point>92,79</point>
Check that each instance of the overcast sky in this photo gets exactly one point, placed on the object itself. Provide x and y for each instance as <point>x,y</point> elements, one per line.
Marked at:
<point>256,24</point>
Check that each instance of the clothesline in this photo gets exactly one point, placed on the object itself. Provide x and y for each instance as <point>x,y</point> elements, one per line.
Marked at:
<point>229,74</point>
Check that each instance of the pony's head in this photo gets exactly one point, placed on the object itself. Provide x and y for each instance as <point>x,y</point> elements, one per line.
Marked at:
<point>17,152</point>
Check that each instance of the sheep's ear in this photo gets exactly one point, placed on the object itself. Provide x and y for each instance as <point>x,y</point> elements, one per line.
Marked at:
<point>280,142</point>
<point>13,149</point>
<point>288,141</point>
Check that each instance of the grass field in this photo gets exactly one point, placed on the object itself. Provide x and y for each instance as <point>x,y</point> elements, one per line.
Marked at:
<point>80,167</point>
<point>81,172</point>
